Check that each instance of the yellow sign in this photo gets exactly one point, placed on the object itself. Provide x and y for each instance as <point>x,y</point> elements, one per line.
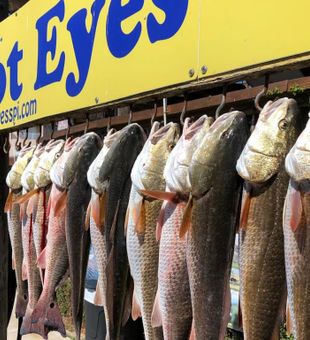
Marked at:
<point>58,56</point>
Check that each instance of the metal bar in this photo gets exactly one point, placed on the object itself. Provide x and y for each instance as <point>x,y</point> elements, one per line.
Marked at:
<point>193,106</point>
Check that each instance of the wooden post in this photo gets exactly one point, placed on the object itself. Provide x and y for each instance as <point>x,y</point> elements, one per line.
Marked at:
<point>4,243</point>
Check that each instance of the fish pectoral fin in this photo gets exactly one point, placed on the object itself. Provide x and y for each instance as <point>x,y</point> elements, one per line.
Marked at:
<point>156,314</point>
<point>24,271</point>
<point>135,309</point>
<point>26,197</point>
<point>41,262</point>
<point>160,222</point>
<point>87,217</point>
<point>245,208</point>
<point>192,335</point>
<point>98,300</point>
<point>187,218</point>
<point>159,195</point>
<point>31,206</point>
<point>9,202</point>
<point>137,210</point>
<point>128,302</point>
<point>126,221</point>
<point>295,200</point>
<point>288,320</point>
<point>60,203</point>
<point>13,262</point>
<point>98,206</point>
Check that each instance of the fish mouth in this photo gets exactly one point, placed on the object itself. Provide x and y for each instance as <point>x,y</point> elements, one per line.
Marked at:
<point>253,150</point>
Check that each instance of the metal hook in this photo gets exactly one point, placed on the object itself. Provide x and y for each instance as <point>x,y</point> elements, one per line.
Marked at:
<point>26,138</point>
<point>6,145</point>
<point>223,102</point>
<point>53,130</point>
<point>40,135</point>
<point>130,116</point>
<point>154,114</point>
<point>18,144</point>
<point>165,106</point>
<point>183,111</point>
<point>68,128</point>
<point>86,124</point>
<point>261,94</point>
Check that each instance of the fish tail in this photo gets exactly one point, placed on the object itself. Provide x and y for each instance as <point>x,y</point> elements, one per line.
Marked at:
<point>21,306</point>
<point>29,327</point>
<point>53,319</point>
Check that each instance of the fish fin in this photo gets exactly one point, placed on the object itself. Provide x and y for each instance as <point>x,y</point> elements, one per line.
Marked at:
<point>295,200</point>
<point>28,327</point>
<point>31,205</point>
<point>187,218</point>
<point>9,202</point>
<point>156,314</point>
<point>49,313</point>
<point>26,197</point>
<point>41,261</point>
<point>140,226</point>
<point>192,335</point>
<point>288,320</point>
<point>24,271</point>
<point>98,205</point>
<point>87,218</point>
<point>126,221</point>
<point>128,302</point>
<point>137,210</point>
<point>60,203</point>
<point>245,208</point>
<point>13,262</point>
<point>22,211</point>
<point>159,195</point>
<point>109,271</point>
<point>21,305</point>
<point>160,222</point>
<point>136,309</point>
<point>98,299</point>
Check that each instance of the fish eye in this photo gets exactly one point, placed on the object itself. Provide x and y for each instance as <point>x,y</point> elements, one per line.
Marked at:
<point>283,124</point>
<point>57,155</point>
<point>225,134</point>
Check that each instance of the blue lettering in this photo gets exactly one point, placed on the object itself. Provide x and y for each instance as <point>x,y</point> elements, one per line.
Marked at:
<point>11,115</point>
<point>49,46</point>
<point>175,11</point>
<point>2,115</point>
<point>15,57</point>
<point>121,44</point>
<point>83,43</point>
<point>2,82</point>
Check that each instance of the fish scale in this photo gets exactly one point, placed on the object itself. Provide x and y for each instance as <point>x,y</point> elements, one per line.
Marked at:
<point>262,266</point>
<point>174,292</point>
<point>15,233</point>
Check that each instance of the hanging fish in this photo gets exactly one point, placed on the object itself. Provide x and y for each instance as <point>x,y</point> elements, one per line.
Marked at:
<point>172,307</point>
<point>296,225</point>
<point>13,181</point>
<point>78,194</point>
<point>29,264</point>
<point>52,152</point>
<point>142,246</point>
<point>54,257</point>
<point>262,269</point>
<point>116,169</point>
<point>97,220</point>
<point>211,220</point>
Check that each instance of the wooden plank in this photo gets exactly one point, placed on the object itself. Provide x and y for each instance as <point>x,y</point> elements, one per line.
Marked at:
<point>195,106</point>
<point>4,246</point>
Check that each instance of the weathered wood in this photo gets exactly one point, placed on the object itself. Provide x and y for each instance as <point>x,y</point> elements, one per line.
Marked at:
<point>4,245</point>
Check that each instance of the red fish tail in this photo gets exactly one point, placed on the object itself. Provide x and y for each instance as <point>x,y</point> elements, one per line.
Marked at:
<point>28,327</point>
<point>54,320</point>
<point>21,305</point>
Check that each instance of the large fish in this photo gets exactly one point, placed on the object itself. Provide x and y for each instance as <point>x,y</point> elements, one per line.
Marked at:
<point>13,181</point>
<point>54,257</point>
<point>116,168</point>
<point>172,308</point>
<point>30,266</point>
<point>78,194</point>
<point>211,216</point>
<point>142,246</point>
<point>97,210</point>
<point>262,268</point>
<point>52,152</point>
<point>296,225</point>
